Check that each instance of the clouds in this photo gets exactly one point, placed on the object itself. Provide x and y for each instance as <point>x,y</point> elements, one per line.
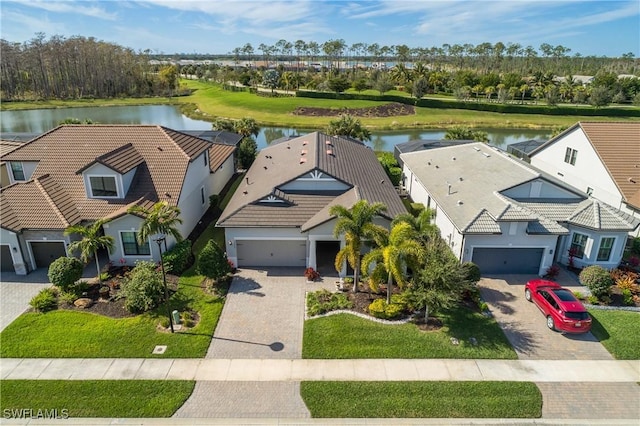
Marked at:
<point>588,27</point>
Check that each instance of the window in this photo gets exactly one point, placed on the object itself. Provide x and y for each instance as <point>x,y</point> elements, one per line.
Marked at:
<point>17,171</point>
<point>589,191</point>
<point>206,158</point>
<point>202,195</point>
<point>570,156</point>
<point>103,186</point>
<point>578,244</point>
<point>131,246</point>
<point>604,252</point>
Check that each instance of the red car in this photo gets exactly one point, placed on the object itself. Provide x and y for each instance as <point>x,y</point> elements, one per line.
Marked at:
<point>563,311</point>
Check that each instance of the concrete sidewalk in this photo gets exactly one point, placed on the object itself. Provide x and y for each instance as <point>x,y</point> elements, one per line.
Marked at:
<point>285,370</point>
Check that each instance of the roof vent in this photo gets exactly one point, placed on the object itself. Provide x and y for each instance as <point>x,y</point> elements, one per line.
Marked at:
<point>167,195</point>
<point>476,148</point>
<point>304,143</point>
<point>288,146</point>
<point>460,179</point>
<point>303,152</point>
<point>265,167</point>
<point>303,160</point>
<point>245,192</point>
<point>486,154</point>
<point>327,142</point>
<point>428,163</point>
<point>453,158</point>
<point>329,152</point>
<point>159,148</point>
<point>460,202</point>
<point>631,180</point>
<point>437,167</point>
<point>382,181</point>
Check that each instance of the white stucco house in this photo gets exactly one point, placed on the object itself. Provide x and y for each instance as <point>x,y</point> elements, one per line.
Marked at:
<point>507,217</point>
<point>76,174</point>
<point>279,215</point>
<point>601,160</point>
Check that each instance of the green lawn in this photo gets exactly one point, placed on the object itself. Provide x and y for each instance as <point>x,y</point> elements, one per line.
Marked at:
<point>618,331</point>
<point>94,398</point>
<point>71,334</point>
<point>213,101</point>
<point>422,399</point>
<point>347,336</point>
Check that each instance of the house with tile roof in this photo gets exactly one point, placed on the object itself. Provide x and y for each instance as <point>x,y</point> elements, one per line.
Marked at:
<point>508,217</point>
<point>600,159</point>
<point>279,215</point>
<point>76,174</point>
<point>5,148</point>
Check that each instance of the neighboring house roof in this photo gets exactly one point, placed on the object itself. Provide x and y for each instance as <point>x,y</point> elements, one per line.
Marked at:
<point>618,146</point>
<point>346,160</point>
<point>6,147</point>
<point>18,136</point>
<point>216,136</point>
<point>161,156</point>
<point>467,183</point>
<point>422,145</point>
<point>524,148</point>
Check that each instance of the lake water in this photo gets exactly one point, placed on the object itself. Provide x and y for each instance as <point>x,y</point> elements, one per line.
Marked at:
<point>41,120</point>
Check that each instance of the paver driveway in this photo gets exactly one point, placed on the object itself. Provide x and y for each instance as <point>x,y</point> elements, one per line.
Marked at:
<point>525,327</point>
<point>263,317</point>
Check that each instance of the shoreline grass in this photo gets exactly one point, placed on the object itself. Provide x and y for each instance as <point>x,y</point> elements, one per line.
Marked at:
<point>93,398</point>
<point>422,399</point>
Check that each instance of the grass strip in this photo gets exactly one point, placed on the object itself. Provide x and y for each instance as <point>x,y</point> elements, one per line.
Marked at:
<point>618,331</point>
<point>346,336</point>
<point>93,398</point>
<point>422,399</point>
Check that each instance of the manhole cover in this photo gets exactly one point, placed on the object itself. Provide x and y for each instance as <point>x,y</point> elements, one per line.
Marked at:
<point>159,350</point>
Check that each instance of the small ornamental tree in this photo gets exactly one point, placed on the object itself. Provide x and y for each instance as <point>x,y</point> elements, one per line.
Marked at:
<point>212,262</point>
<point>247,152</point>
<point>65,271</point>
<point>597,279</point>
<point>143,290</point>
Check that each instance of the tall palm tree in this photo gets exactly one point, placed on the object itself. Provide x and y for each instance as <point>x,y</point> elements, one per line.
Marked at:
<point>347,125</point>
<point>421,224</point>
<point>159,219</point>
<point>396,250</point>
<point>93,239</point>
<point>356,223</point>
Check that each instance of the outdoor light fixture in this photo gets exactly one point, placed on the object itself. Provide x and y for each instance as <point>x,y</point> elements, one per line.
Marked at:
<point>230,242</point>
<point>160,240</point>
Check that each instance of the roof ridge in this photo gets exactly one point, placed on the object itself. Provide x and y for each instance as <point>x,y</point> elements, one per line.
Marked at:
<point>165,132</point>
<point>38,183</point>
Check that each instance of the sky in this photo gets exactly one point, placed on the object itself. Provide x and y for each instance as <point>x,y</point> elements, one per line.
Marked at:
<point>601,28</point>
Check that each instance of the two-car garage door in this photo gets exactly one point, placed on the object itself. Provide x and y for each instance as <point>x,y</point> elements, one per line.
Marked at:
<point>271,252</point>
<point>508,260</point>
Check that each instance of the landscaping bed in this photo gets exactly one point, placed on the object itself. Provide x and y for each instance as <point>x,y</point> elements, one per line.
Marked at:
<point>387,110</point>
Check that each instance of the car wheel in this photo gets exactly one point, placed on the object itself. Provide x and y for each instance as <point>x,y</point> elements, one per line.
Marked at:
<point>550,323</point>
<point>527,294</point>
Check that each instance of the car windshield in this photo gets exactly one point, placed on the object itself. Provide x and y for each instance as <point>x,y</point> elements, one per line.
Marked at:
<point>577,315</point>
<point>565,295</point>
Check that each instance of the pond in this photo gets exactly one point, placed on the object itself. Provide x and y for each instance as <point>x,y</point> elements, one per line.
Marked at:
<point>41,120</point>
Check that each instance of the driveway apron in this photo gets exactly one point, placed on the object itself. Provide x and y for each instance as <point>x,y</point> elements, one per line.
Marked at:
<point>263,317</point>
<point>525,327</point>
<point>16,291</point>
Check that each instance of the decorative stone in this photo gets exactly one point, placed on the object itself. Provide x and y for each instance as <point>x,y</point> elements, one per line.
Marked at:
<point>83,303</point>
<point>455,341</point>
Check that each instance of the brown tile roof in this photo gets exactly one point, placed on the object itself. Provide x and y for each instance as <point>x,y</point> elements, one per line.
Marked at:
<point>346,160</point>
<point>63,151</point>
<point>8,146</point>
<point>618,145</point>
<point>218,154</point>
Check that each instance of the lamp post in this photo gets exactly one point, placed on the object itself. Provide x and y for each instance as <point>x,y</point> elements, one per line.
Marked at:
<point>160,240</point>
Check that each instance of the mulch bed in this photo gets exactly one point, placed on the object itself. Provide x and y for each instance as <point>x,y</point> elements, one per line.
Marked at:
<point>387,110</point>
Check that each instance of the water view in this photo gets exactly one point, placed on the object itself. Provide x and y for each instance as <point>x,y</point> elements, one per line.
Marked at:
<point>42,120</point>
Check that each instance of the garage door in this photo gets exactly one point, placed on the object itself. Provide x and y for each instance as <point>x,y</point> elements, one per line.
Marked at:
<point>5,258</point>
<point>508,260</point>
<point>45,253</point>
<point>272,253</point>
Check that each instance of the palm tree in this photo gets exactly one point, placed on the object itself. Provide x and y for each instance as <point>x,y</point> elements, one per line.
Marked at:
<point>246,127</point>
<point>396,250</point>
<point>348,125</point>
<point>159,219</point>
<point>356,223</point>
<point>93,239</point>
<point>421,224</point>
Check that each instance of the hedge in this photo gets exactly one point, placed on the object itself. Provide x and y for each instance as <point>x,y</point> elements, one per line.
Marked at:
<point>178,258</point>
<point>478,106</point>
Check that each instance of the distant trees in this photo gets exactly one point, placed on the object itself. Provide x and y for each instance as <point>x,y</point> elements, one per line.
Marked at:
<point>466,133</point>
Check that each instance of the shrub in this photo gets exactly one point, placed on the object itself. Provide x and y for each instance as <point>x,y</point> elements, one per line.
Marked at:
<point>164,322</point>
<point>627,282</point>
<point>578,295</point>
<point>68,297</point>
<point>627,297</point>
<point>143,290</point>
<point>552,272</point>
<point>44,301</point>
<point>213,262</point>
<point>178,258</point>
<point>322,301</point>
<point>591,299</point>
<point>381,309</point>
<point>597,279</point>
<point>311,274</point>
<point>65,271</point>
<point>471,272</point>
<point>214,199</point>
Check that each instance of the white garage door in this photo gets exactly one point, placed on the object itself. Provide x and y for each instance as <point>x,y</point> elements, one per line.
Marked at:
<point>272,252</point>
<point>508,260</point>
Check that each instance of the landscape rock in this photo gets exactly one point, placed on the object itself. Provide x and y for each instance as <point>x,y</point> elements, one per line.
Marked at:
<point>83,303</point>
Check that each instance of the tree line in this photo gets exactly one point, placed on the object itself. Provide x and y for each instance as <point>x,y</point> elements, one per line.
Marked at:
<point>76,68</point>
